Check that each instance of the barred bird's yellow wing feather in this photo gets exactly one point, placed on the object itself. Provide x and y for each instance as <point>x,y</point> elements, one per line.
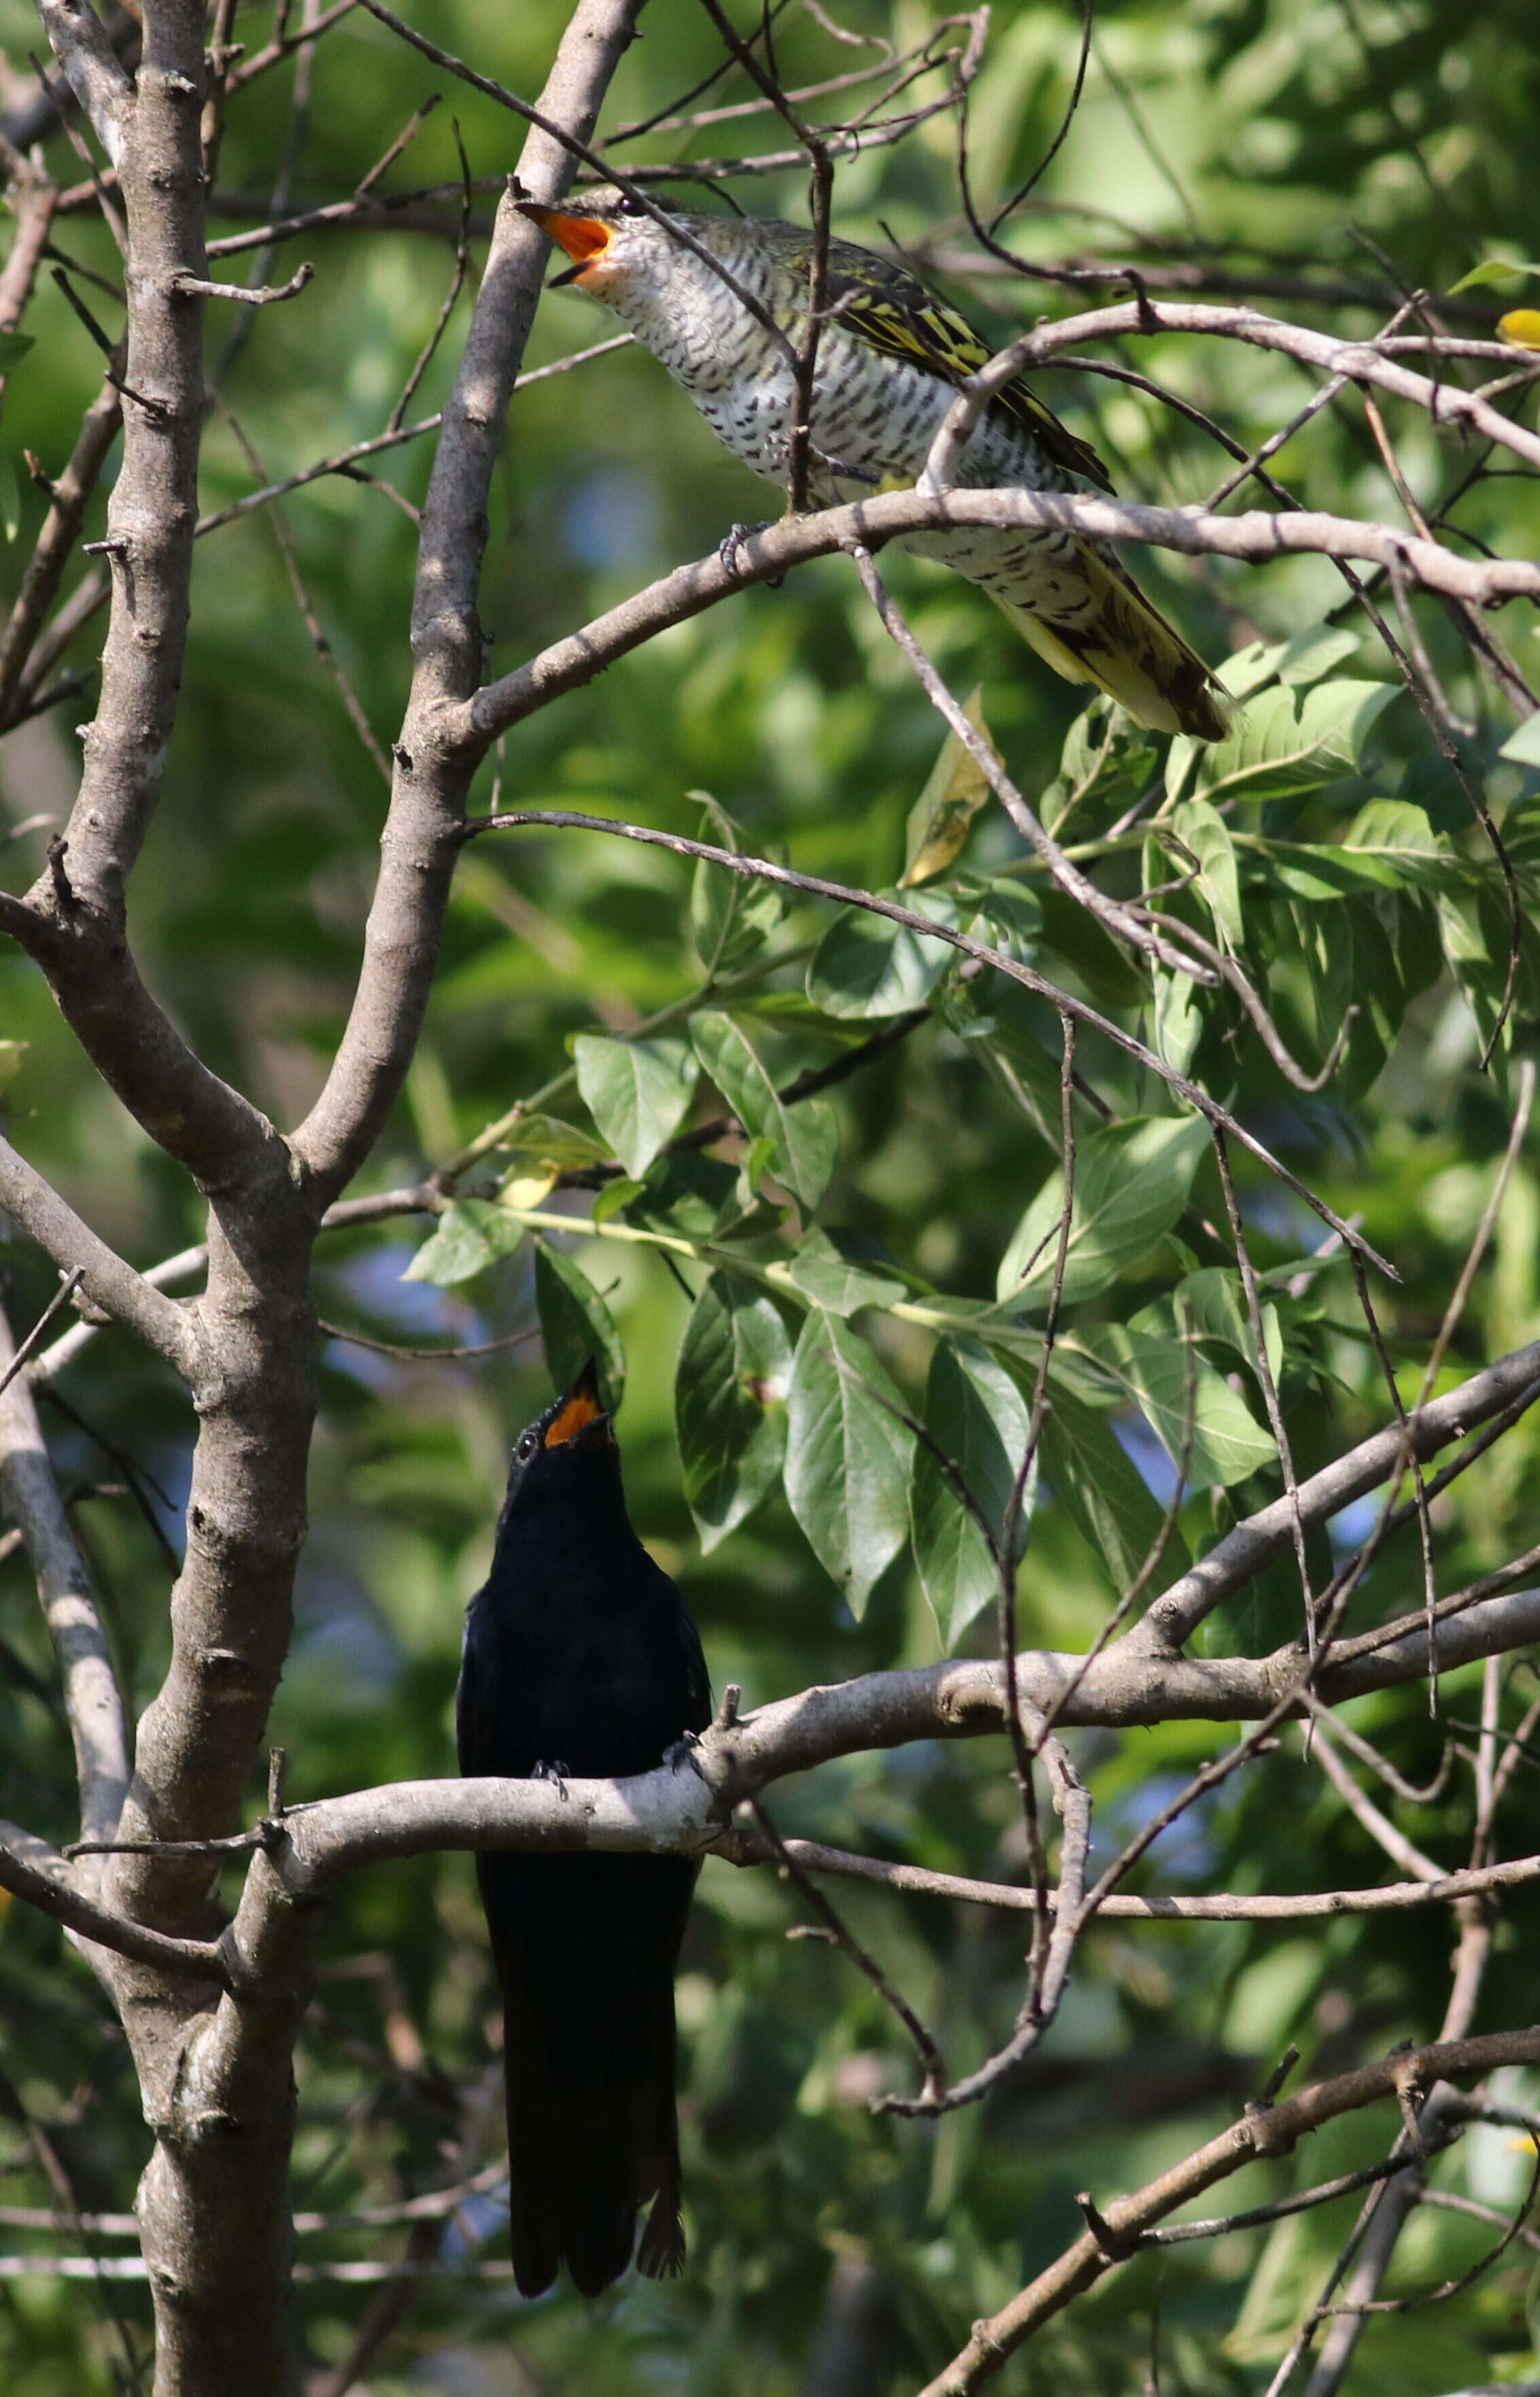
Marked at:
<point>896,316</point>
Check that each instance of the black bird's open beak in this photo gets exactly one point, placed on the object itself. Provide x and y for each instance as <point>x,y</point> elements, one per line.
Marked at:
<point>581,1411</point>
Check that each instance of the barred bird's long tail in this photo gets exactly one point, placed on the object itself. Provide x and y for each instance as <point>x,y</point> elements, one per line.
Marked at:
<point>1120,641</point>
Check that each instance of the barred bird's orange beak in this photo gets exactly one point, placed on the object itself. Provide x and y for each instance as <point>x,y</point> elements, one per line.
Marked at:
<point>584,238</point>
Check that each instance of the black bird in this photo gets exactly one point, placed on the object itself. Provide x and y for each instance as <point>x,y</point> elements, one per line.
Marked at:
<point>580,1659</point>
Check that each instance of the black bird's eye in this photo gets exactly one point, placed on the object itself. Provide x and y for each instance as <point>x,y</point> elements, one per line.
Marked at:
<point>528,1443</point>
<point>630,206</point>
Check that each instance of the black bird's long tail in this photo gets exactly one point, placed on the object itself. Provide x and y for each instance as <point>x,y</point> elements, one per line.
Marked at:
<point>592,2137</point>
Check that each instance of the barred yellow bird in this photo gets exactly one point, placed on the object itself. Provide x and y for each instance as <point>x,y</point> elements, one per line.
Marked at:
<point>889,360</point>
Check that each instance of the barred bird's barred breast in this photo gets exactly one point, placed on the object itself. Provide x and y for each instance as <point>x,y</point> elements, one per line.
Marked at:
<point>889,360</point>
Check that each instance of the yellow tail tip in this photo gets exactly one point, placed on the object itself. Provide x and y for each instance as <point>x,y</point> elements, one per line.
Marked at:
<point>1127,649</point>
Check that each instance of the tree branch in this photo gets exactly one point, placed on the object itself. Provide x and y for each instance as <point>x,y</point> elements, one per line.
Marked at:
<point>433,773</point>
<point>1263,2133</point>
<point>106,1281</point>
<point>740,1846</point>
<point>95,73</point>
<point>92,1700</point>
<point>33,1870</point>
<point>1232,1563</point>
<point>571,662</point>
<point>667,1811</point>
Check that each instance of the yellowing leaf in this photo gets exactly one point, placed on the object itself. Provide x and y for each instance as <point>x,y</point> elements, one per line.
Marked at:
<point>540,1149</point>
<point>529,1189</point>
<point>955,791</point>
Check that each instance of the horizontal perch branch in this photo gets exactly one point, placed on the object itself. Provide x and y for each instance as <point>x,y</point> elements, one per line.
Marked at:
<point>669,1810</point>
<point>1255,537</point>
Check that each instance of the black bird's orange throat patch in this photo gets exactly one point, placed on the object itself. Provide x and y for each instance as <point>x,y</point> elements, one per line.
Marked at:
<point>581,1409</point>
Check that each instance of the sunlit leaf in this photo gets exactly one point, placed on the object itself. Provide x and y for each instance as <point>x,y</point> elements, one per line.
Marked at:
<point>730,1403</point>
<point>978,1420</point>
<point>1191,1409</point>
<point>955,791</point>
<point>1130,1185</point>
<point>1305,658</point>
<point>576,1324</point>
<point>1101,1491</point>
<point>732,916</point>
<point>829,1269</point>
<point>1493,270</point>
<point>866,965</point>
<point>1204,831</point>
<point>1524,747</point>
<point>470,1235</point>
<point>847,1457</point>
<point>1292,739</point>
<point>803,1138</point>
<point>637,1091</point>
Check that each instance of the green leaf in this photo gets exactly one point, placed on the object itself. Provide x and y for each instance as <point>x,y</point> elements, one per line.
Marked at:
<point>730,1402</point>
<point>847,1457</point>
<point>1307,658</point>
<point>11,1054</point>
<point>1310,656</point>
<point>1010,918</point>
<point>13,346</point>
<point>1400,837</point>
<point>1524,747</point>
<point>1390,846</point>
<point>955,791</point>
<point>803,1138</point>
<point>1071,933</point>
<point>551,1143</point>
<point>1213,1301</point>
<point>1291,740</point>
<point>1495,270</point>
<point>1003,1031</point>
<point>576,1324</point>
<point>686,1194</point>
<point>979,1419</point>
<point>1166,1378</point>
<point>1178,1018</point>
<point>470,1235</point>
<point>1311,872</point>
<point>637,1091</point>
<point>1204,831</point>
<point>1130,1185</point>
<point>615,1197</point>
<point>732,916</point>
<point>866,965</point>
<point>829,1269</point>
<point>1351,961</point>
<point>1101,1491</point>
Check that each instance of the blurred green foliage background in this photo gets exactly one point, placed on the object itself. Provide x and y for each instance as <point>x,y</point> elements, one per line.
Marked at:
<point>1280,144</point>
